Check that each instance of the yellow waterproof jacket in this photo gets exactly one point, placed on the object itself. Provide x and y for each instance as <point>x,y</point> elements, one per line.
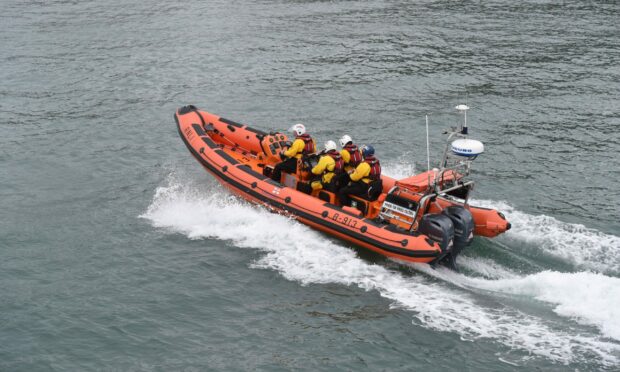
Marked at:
<point>326,167</point>
<point>346,156</point>
<point>297,148</point>
<point>361,173</point>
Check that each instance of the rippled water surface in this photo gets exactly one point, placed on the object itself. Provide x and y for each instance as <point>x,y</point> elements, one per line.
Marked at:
<point>120,253</point>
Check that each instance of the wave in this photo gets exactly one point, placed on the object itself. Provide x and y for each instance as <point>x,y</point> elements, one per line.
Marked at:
<point>581,246</point>
<point>486,268</point>
<point>306,256</point>
<point>591,299</point>
<point>399,168</point>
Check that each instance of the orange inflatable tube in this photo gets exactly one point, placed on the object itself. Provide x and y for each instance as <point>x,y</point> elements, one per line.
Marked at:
<point>237,156</point>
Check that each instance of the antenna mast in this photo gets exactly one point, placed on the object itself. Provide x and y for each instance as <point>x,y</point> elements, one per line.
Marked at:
<point>463,109</point>
<point>428,153</point>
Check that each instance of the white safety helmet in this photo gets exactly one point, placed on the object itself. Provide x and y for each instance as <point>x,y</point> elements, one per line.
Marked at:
<point>344,140</point>
<point>298,129</point>
<point>330,145</point>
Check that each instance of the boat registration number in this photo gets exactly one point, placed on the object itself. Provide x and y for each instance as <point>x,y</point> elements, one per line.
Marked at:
<point>345,220</point>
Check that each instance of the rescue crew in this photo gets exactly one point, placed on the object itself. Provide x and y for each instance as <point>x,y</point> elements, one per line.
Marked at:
<point>329,167</point>
<point>367,175</point>
<point>350,153</point>
<point>303,145</point>
<point>352,157</point>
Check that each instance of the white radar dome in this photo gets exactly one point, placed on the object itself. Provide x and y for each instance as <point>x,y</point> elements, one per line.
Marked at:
<point>467,147</point>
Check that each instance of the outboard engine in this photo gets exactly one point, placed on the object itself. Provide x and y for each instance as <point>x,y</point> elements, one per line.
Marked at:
<point>438,227</point>
<point>463,223</point>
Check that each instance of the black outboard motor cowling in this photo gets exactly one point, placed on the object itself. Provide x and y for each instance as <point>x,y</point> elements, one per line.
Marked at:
<point>464,226</point>
<point>439,228</point>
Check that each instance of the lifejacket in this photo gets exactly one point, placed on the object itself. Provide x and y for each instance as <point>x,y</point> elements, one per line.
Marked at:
<point>375,168</point>
<point>339,166</point>
<point>308,144</point>
<point>356,156</point>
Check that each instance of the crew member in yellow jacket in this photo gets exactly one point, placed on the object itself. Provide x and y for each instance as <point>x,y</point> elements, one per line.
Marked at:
<point>303,145</point>
<point>329,167</point>
<point>366,174</point>
<point>351,155</point>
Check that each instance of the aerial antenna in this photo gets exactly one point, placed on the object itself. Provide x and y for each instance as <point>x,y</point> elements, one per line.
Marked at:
<point>463,109</point>
<point>428,153</point>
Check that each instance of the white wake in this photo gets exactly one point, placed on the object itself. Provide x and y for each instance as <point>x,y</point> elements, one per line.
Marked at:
<point>303,255</point>
<point>584,247</point>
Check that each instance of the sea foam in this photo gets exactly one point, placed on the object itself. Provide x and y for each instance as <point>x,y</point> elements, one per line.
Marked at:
<point>586,297</point>
<point>301,254</point>
<point>577,244</point>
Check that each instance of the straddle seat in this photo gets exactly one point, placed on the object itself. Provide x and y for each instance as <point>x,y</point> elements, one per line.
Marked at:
<point>374,190</point>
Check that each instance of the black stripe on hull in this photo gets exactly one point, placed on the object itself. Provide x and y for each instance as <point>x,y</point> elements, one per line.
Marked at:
<point>230,122</point>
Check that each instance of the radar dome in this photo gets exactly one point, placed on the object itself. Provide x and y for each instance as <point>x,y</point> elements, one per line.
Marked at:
<point>467,147</point>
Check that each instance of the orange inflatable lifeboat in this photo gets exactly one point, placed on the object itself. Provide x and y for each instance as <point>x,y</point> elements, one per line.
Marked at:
<point>423,218</point>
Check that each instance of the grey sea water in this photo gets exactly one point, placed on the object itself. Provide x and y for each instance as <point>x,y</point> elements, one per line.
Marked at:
<point>118,251</point>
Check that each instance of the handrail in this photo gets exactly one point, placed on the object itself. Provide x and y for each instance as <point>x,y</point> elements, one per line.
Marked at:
<point>424,199</point>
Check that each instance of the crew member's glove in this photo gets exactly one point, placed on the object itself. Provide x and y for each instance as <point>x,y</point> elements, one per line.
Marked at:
<point>282,156</point>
